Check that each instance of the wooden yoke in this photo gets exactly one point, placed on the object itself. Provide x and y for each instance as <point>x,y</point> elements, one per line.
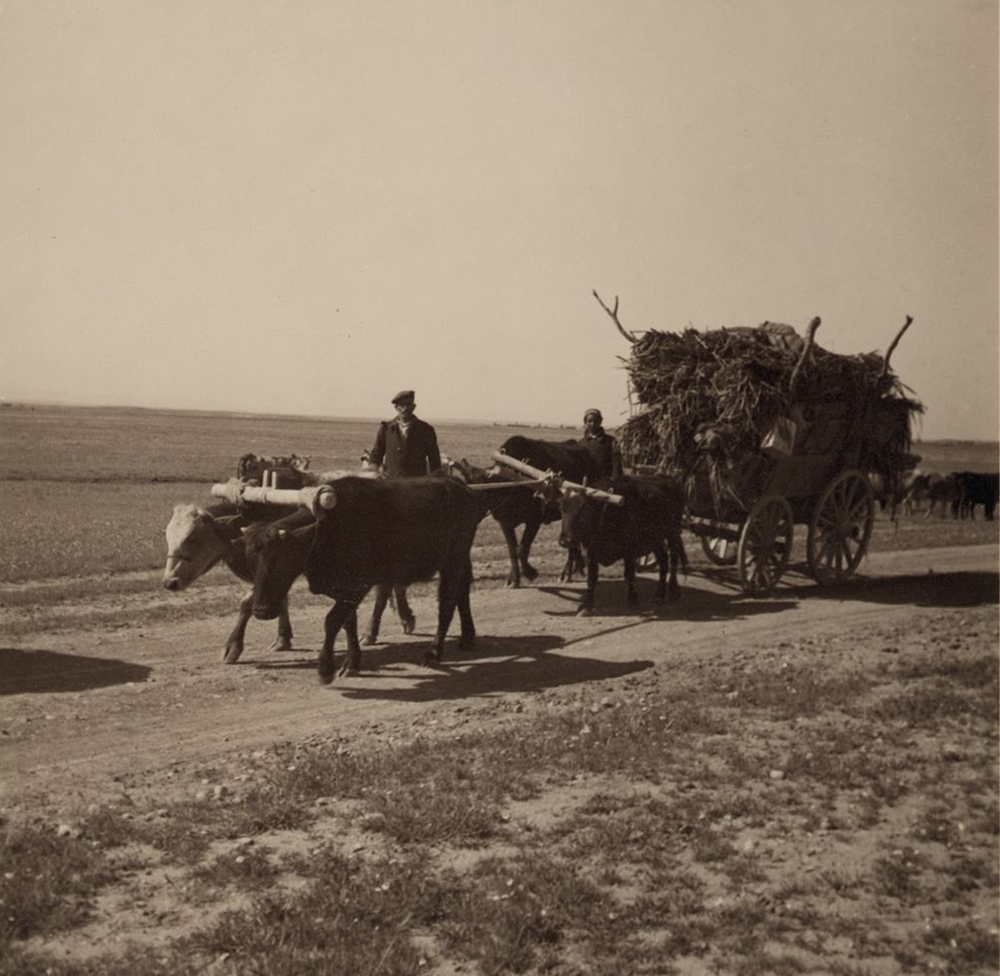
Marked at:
<point>320,497</point>
<point>550,477</point>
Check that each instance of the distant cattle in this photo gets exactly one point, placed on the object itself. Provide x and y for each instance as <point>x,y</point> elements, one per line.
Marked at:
<point>390,532</point>
<point>919,491</point>
<point>976,488</point>
<point>649,521</point>
<point>523,506</point>
<point>199,538</point>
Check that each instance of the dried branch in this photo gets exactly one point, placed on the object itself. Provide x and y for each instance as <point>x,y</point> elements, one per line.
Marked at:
<point>614,317</point>
<point>892,346</point>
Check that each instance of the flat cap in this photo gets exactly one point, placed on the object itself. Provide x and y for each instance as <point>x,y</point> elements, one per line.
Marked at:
<point>593,412</point>
<point>403,395</point>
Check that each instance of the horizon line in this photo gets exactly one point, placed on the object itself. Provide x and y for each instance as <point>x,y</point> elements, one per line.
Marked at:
<point>14,402</point>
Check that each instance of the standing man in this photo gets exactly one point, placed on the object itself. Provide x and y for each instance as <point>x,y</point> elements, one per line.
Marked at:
<point>602,446</point>
<point>406,447</point>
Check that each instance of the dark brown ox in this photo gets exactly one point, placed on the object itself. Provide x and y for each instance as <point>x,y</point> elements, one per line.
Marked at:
<point>524,506</point>
<point>649,521</point>
<point>391,532</point>
<point>199,538</point>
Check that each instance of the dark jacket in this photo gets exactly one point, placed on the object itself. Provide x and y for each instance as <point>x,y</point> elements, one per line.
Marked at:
<point>416,454</point>
<point>604,449</point>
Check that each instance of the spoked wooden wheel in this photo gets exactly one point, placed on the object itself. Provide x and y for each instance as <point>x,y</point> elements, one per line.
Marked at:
<point>720,551</point>
<point>765,545</point>
<point>841,528</point>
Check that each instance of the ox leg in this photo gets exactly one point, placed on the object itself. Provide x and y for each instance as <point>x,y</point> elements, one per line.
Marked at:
<point>586,607</point>
<point>283,642</point>
<point>334,621</point>
<point>663,563</point>
<point>406,617</point>
<point>448,590</point>
<point>628,564</point>
<point>352,660</point>
<point>574,562</point>
<point>381,599</point>
<point>510,537</point>
<point>678,559</point>
<point>468,638</point>
<point>234,643</point>
<point>531,528</point>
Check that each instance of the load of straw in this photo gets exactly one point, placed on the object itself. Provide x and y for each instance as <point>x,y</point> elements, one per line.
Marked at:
<point>709,399</point>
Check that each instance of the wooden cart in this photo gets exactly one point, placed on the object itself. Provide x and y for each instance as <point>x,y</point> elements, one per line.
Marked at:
<point>744,510</point>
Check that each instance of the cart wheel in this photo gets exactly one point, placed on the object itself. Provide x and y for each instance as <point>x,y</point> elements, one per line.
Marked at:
<point>721,552</point>
<point>765,545</point>
<point>841,527</point>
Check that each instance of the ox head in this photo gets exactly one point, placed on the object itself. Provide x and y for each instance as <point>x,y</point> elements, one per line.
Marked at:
<point>277,555</point>
<point>194,545</point>
<point>579,516</point>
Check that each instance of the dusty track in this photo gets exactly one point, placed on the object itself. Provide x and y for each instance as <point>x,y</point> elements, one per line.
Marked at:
<point>84,715</point>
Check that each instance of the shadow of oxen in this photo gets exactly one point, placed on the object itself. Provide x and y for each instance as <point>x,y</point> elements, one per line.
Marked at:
<point>26,671</point>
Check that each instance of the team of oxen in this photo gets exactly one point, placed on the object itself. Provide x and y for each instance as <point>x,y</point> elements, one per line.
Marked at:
<point>960,492</point>
<point>350,532</point>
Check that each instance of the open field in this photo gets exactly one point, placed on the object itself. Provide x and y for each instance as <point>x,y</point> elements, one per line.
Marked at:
<point>800,784</point>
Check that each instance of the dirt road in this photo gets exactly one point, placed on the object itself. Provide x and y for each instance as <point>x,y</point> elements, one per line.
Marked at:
<point>90,714</point>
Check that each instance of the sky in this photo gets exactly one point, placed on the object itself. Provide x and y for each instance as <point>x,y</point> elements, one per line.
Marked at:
<point>303,208</point>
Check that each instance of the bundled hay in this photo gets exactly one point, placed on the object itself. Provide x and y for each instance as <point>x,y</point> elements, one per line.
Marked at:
<point>711,400</point>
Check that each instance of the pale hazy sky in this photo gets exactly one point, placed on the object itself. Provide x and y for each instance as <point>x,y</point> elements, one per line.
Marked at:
<point>302,207</point>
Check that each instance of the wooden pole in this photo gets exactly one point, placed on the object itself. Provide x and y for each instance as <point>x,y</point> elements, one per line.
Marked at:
<point>314,498</point>
<point>551,476</point>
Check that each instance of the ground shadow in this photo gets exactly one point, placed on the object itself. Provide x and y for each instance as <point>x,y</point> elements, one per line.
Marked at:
<point>956,589</point>
<point>507,664</point>
<point>695,604</point>
<point>26,671</point>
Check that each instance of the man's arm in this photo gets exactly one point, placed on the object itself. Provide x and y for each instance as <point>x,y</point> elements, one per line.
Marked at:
<point>377,453</point>
<point>433,454</point>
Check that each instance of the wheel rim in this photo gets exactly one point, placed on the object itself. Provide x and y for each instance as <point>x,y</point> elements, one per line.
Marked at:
<point>841,528</point>
<point>721,552</point>
<point>765,545</point>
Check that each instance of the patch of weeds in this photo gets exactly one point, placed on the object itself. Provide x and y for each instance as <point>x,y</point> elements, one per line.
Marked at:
<point>183,836</point>
<point>436,812</point>
<point>970,874</point>
<point>791,691</point>
<point>981,672</point>
<point>525,912</point>
<point>963,946</point>
<point>763,963</point>
<point>845,760</point>
<point>135,961</point>
<point>897,875</point>
<point>49,881</point>
<point>354,918</point>
<point>743,870</point>
<point>708,847</point>
<point>842,885</point>
<point>249,868</point>
<point>936,823</point>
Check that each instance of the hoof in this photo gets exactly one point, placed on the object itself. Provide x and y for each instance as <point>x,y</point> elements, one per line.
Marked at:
<point>231,654</point>
<point>513,584</point>
<point>432,659</point>
<point>409,624</point>
<point>325,677</point>
<point>369,640</point>
<point>529,573</point>
<point>585,612</point>
<point>282,644</point>
<point>346,672</point>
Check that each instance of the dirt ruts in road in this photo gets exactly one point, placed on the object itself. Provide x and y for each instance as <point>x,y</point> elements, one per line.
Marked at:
<point>85,713</point>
